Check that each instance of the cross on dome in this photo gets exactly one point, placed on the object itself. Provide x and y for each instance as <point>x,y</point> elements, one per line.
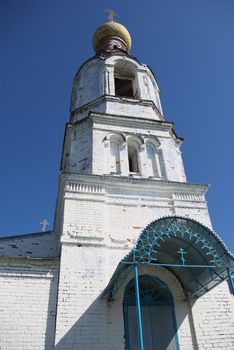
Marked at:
<point>107,34</point>
<point>111,14</point>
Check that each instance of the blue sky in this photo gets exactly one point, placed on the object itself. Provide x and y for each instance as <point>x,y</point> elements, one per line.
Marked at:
<point>188,44</point>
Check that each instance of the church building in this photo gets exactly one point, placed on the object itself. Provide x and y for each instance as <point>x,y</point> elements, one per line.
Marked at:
<point>132,262</point>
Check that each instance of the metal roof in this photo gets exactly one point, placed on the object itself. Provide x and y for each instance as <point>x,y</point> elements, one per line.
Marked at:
<point>191,251</point>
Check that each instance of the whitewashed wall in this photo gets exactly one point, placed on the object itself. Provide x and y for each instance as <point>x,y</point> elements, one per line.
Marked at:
<point>28,291</point>
<point>213,316</point>
<point>103,216</point>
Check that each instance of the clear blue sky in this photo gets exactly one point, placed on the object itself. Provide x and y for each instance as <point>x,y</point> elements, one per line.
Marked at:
<point>188,44</point>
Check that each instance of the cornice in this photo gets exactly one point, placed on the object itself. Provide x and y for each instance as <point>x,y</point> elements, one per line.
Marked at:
<point>116,119</point>
<point>133,122</point>
<point>112,98</point>
<point>138,121</point>
<point>32,259</point>
<point>124,182</point>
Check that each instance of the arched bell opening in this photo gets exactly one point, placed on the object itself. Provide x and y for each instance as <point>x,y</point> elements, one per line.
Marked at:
<point>152,160</point>
<point>133,148</point>
<point>112,144</point>
<point>133,157</point>
<point>126,80</point>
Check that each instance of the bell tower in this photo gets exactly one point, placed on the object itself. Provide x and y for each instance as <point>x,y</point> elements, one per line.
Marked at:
<point>117,125</point>
<point>121,169</point>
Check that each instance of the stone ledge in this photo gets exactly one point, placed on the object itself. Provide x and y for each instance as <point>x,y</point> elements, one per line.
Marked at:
<point>105,182</point>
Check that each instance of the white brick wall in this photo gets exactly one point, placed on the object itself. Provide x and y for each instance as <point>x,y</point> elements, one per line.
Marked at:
<point>213,315</point>
<point>81,319</point>
<point>87,147</point>
<point>103,216</point>
<point>28,292</point>
<point>77,151</point>
<point>114,207</point>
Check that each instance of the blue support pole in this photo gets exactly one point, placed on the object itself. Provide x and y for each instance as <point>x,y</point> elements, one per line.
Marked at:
<point>231,282</point>
<point>138,303</point>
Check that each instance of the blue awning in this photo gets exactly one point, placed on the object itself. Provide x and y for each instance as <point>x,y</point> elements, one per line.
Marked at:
<point>191,251</point>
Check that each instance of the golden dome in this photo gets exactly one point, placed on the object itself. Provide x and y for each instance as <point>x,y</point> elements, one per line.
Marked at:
<point>112,29</point>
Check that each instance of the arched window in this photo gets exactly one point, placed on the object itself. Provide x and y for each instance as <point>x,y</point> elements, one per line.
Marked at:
<point>112,151</point>
<point>133,158</point>
<point>125,79</point>
<point>153,163</point>
<point>158,316</point>
<point>114,156</point>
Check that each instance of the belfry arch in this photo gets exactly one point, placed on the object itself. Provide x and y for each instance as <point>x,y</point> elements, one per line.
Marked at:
<point>126,80</point>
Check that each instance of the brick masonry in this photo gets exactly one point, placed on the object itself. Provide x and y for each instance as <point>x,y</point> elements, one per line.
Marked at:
<point>27,304</point>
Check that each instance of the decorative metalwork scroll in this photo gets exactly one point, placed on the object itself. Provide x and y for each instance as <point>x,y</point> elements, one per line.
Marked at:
<point>152,244</point>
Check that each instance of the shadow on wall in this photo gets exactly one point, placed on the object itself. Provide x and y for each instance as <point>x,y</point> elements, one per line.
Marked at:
<point>192,326</point>
<point>90,331</point>
<point>185,311</point>
<point>51,313</point>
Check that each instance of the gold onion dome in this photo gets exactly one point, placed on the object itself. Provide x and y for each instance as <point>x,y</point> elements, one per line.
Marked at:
<point>111,29</point>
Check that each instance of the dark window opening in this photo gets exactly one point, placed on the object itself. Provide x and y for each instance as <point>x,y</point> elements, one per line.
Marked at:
<point>123,87</point>
<point>133,160</point>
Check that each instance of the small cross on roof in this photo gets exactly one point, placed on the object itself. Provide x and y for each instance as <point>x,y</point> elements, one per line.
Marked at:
<point>44,223</point>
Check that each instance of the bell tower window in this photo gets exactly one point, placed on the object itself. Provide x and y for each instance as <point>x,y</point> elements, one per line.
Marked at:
<point>123,87</point>
<point>114,156</point>
<point>153,160</point>
<point>133,160</point>
<point>125,80</point>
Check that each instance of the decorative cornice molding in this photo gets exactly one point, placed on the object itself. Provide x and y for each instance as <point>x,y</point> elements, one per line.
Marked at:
<point>112,98</point>
<point>91,183</point>
<point>117,119</point>
<point>133,122</point>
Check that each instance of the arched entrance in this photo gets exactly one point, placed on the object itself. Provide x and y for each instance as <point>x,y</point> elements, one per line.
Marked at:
<point>193,253</point>
<point>157,312</point>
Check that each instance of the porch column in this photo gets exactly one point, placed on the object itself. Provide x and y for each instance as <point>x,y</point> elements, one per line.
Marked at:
<point>231,282</point>
<point>138,303</point>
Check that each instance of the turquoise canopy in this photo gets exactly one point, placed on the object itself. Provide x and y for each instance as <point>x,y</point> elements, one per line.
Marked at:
<point>191,251</point>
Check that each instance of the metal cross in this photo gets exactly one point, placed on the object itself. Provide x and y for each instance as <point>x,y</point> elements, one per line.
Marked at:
<point>182,252</point>
<point>111,14</point>
<point>44,223</point>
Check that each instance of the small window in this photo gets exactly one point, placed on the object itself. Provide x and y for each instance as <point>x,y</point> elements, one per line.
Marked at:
<point>123,87</point>
<point>133,159</point>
